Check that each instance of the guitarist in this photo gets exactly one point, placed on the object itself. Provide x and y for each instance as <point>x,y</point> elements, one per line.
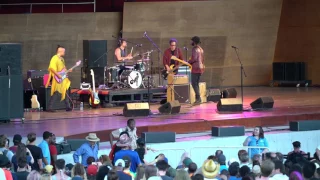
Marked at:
<point>172,51</point>
<point>197,62</point>
<point>57,64</point>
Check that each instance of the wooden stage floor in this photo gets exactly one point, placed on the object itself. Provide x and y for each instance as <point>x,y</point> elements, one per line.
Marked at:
<point>290,104</point>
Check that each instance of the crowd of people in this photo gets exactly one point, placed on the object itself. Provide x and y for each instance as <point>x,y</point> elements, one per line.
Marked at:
<point>126,161</point>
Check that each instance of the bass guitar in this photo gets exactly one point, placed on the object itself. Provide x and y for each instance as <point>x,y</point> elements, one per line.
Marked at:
<point>34,98</point>
<point>64,73</point>
<point>94,98</point>
<point>174,69</point>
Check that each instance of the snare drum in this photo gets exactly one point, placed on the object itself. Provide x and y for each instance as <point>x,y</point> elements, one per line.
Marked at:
<point>113,74</point>
<point>140,66</point>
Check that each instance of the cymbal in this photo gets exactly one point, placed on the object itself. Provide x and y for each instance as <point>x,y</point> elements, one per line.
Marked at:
<point>141,60</point>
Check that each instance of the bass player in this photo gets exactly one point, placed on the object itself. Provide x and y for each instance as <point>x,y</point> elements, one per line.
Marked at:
<point>173,50</point>
<point>56,65</point>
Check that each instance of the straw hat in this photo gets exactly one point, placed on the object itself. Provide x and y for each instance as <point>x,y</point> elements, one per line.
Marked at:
<point>210,169</point>
<point>92,137</point>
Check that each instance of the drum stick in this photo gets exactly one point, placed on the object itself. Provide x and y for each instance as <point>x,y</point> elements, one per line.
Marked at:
<point>131,50</point>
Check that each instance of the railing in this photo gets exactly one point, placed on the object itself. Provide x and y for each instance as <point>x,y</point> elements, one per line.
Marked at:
<point>62,4</point>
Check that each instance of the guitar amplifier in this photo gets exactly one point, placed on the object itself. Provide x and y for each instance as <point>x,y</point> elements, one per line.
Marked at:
<point>178,79</point>
<point>179,93</point>
<point>44,95</point>
<point>36,73</point>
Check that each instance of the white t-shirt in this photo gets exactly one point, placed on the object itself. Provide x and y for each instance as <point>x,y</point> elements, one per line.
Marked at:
<point>54,177</point>
<point>279,177</point>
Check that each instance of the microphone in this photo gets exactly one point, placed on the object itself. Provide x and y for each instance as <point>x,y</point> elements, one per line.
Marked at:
<point>144,34</point>
<point>185,48</point>
<point>139,45</point>
<point>234,47</point>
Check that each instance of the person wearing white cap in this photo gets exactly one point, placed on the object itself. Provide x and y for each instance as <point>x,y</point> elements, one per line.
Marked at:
<point>317,153</point>
<point>86,150</point>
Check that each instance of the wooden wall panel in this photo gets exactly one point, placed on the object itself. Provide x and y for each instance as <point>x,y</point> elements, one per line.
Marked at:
<point>251,25</point>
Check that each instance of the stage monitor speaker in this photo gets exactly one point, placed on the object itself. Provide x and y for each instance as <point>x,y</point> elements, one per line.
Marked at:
<point>229,104</point>
<point>136,109</point>
<point>213,95</point>
<point>308,125</point>
<point>262,103</point>
<point>292,71</point>
<point>95,53</point>
<point>224,131</point>
<point>229,93</point>
<point>11,99</point>
<point>172,107</point>
<point>10,55</point>
<point>278,71</point>
<point>44,95</point>
<point>159,137</point>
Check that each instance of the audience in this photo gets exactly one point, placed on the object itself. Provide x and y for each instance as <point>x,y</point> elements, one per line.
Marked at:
<point>34,175</point>
<point>44,145</point>
<point>23,153</point>
<point>295,175</point>
<point>53,150</point>
<point>151,172</point>
<point>210,169</point>
<point>140,173</point>
<point>182,175</point>
<point>296,154</point>
<point>130,129</point>
<point>192,168</point>
<point>222,162</point>
<point>279,171</point>
<point>35,151</point>
<point>60,168</point>
<point>119,167</point>
<point>5,166</point>
<point>23,169</point>
<point>317,153</point>
<point>3,148</point>
<point>86,150</point>
<point>244,158</point>
<point>234,171</point>
<point>257,139</point>
<point>308,170</point>
<point>163,166</point>
<point>78,171</point>
<point>267,168</point>
<point>16,141</point>
<point>112,175</point>
<point>244,171</point>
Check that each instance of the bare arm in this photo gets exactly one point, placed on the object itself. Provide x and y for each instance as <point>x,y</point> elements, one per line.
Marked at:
<point>111,139</point>
<point>246,142</point>
<point>54,72</point>
<point>32,159</point>
<point>45,161</point>
<point>40,163</point>
<point>117,53</point>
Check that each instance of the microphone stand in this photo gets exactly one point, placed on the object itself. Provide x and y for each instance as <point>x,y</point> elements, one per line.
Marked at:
<point>186,49</point>
<point>9,88</point>
<point>242,71</point>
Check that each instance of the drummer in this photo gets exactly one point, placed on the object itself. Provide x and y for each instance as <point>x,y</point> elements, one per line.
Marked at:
<point>121,54</point>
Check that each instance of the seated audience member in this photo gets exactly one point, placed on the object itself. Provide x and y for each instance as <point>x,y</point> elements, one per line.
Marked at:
<point>3,148</point>
<point>317,153</point>
<point>23,169</point>
<point>44,145</point>
<point>131,129</point>
<point>279,171</point>
<point>287,167</point>
<point>218,153</point>
<point>163,166</point>
<point>295,175</point>
<point>296,155</point>
<point>244,171</point>
<point>279,156</point>
<point>185,163</point>
<point>119,166</point>
<point>34,175</point>
<point>308,170</point>
<point>267,168</point>
<point>295,167</point>
<point>210,169</point>
<point>197,177</point>
<point>16,141</point>
<point>103,172</point>
<point>24,153</point>
<point>112,175</point>
<point>60,168</point>
<point>78,170</point>
<point>234,171</point>
<point>151,172</point>
<point>182,175</point>
<point>142,150</point>
<point>244,158</point>
<point>35,151</point>
<point>88,149</point>
<point>222,162</point>
<point>257,139</point>
<point>125,143</point>
<point>192,168</point>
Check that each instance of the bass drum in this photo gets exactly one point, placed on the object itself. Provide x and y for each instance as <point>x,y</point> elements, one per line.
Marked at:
<point>131,78</point>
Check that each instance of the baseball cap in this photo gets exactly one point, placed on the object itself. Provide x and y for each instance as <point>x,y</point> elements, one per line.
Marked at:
<point>17,138</point>
<point>4,161</point>
<point>196,39</point>
<point>92,170</point>
<point>120,162</point>
<point>186,162</point>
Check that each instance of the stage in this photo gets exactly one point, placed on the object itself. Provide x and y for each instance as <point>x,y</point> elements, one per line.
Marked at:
<point>290,104</point>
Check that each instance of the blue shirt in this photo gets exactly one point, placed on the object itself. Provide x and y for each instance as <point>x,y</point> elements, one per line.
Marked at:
<point>45,151</point>
<point>85,151</point>
<point>9,153</point>
<point>257,142</point>
<point>15,162</point>
<point>223,167</point>
<point>234,178</point>
<point>135,160</point>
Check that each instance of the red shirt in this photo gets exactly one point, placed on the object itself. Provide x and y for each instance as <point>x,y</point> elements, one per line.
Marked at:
<point>53,151</point>
<point>7,174</point>
<point>167,56</point>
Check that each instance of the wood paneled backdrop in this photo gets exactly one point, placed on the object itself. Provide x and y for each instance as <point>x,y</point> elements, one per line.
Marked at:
<point>251,25</point>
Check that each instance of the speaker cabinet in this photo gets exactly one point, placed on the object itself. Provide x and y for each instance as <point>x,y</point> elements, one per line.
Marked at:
<point>278,71</point>
<point>136,109</point>
<point>224,131</point>
<point>11,99</point>
<point>179,93</point>
<point>230,104</point>
<point>44,95</point>
<point>305,125</point>
<point>262,103</point>
<point>172,107</point>
<point>95,53</point>
<point>202,90</point>
<point>10,55</point>
<point>159,137</point>
<point>229,93</point>
<point>213,95</point>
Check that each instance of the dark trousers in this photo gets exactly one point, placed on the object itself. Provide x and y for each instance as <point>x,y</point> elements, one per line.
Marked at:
<point>195,79</point>
<point>56,97</point>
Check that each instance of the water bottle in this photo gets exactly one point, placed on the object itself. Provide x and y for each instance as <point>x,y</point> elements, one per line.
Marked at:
<point>81,106</point>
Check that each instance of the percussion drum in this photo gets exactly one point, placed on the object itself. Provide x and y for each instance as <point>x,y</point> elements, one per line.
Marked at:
<point>132,78</point>
<point>112,74</point>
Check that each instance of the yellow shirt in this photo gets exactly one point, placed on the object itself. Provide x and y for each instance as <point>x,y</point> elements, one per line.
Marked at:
<point>57,64</point>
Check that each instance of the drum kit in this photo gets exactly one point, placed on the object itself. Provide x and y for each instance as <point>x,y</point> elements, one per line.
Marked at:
<point>133,76</point>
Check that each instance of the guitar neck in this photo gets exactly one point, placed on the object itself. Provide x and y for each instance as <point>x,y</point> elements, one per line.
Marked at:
<point>93,84</point>
<point>72,68</point>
